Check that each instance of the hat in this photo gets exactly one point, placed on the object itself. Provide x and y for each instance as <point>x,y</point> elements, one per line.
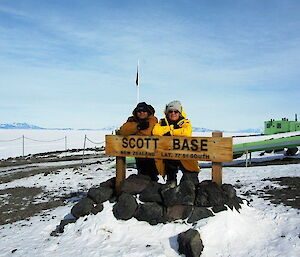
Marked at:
<point>143,107</point>
<point>174,105</point>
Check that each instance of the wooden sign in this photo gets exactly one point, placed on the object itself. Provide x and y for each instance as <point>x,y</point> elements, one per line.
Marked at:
<point>216,149</point>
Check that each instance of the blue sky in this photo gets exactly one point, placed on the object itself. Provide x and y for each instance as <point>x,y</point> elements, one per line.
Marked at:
<point>232,64</point>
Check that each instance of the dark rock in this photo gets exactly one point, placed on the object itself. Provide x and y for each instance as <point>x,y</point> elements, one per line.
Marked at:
<point>178,212</point>
<point>219,208</point>
<point>291,151</point>
<point>98,208</point>
<point>151,193</point>
<point>201,198</point>
<point>191,176</point>
<point>199,213</point>
<point>153,213</point>
<point>125,208</point>
<point>109,183</point>
<point>213,193</point>
<point>190,243</point>
<point>113,199</point>
<point>229,190</point>
<point>100,194</point>
<point>234,203</point>
<point>82,208</point>
<point>135,184</point>
<point>184,194</point>
<point>63,223</point>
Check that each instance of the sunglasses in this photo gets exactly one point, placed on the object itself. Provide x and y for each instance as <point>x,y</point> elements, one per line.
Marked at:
<point>141,111</point>
<point>171,111</point>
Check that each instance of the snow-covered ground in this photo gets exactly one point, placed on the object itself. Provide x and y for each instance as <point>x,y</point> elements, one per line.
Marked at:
<point>35,140</point>
<point>260,229</point>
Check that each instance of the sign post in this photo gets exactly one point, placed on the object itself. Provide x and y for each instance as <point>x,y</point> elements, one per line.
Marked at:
<point>216,169</point>
<point>217,149</point>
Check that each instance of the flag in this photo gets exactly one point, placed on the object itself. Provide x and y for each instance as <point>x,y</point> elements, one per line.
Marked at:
<point>137,76</point>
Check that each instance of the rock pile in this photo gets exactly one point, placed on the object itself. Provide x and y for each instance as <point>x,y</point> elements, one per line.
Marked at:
<point>156,203</point>
<point>168,202</point>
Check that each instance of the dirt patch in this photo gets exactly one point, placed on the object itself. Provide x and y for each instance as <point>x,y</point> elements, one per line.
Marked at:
<point>288,195</point>
<point>19,203</point>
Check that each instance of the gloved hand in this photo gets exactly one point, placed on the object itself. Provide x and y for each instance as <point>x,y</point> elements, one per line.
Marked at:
<point>183,122</point>
<point>143,125</point>
<point>132,119</point>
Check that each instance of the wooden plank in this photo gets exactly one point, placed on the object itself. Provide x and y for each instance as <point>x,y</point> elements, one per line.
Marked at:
<point>120,173</point>
<point>216,170</point>
<point>217,149</point>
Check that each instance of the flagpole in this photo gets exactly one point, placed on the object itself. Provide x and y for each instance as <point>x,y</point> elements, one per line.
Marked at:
<point>137,84</point>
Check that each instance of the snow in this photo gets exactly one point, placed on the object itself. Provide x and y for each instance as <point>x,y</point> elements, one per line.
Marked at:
<point>75,140</point>
<point>261,229</point>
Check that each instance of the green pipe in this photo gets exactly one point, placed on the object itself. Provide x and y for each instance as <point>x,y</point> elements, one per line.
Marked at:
<point>265,145</point>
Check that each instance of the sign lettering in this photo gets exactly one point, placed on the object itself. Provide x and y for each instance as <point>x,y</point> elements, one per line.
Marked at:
<point>169,147</point>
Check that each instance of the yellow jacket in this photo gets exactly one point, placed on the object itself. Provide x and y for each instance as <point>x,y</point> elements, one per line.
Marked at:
<point>182,128</point>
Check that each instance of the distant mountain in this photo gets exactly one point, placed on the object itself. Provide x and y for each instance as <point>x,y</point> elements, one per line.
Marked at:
<point>19,126</point>
<point>110,128</point>
<point>196,129</point>
<point>251,130</point>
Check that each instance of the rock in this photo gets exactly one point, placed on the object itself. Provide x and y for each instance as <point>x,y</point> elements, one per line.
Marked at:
<point>98,208</point>
<point>191,176</point>
<point>135,184</point>
<point>153,213</point>
<point>201,198</point>
<point>190,243</point>
<point>177,212</point>
<point>100,194</point>
<point>234,203</point>
<point>125,208</point>
<point>291,151</point>
<point>82,208</point>
<point>64,223</point>
<point>199,213</point>
<point>184,194</point>
<point>151,193</point>
<point>229,190</point>
<point>220,208</point>
<point>109,183</point>
<point>214,194</point>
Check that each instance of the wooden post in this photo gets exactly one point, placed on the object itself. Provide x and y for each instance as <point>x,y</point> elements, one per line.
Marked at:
<point>84,143</point>
<point>120,172</point>
<point>217,166</point>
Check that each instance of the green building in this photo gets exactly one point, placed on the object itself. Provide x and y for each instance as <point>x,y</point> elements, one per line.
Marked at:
<point>280,126</point>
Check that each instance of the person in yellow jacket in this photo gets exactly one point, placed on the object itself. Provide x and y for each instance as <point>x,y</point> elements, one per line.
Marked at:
<point>175,123</point>
<point>142,123</point>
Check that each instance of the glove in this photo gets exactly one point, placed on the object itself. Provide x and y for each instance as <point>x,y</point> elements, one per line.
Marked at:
<point>131,119</point>
<point>143,125</point>
<point>183,122</point>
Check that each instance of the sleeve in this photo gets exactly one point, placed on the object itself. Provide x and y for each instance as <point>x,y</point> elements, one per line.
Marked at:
<point>160,130</point>
<point>184,130</point>
<point>128,128</point>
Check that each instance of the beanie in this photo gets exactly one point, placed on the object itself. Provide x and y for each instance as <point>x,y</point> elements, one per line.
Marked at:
<point>174,105</point>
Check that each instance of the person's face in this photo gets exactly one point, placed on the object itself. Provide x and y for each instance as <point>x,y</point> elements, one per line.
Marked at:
<point>173,115</point>
<point>142,114</point>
